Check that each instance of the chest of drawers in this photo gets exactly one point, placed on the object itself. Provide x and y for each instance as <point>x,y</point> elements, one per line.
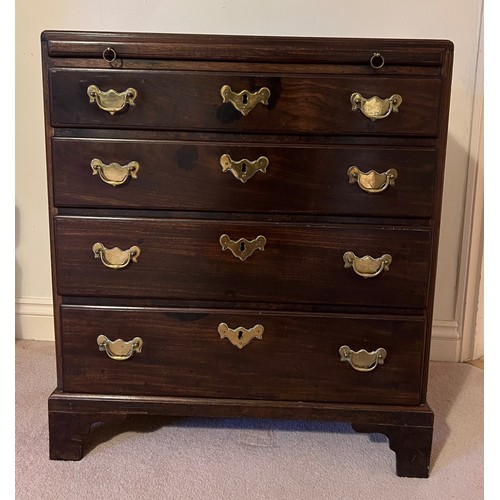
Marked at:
<point>244,227</point>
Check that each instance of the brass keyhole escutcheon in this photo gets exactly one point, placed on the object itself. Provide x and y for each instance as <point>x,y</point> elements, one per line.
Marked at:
<point>240,336</point>
<point>245,100</point>
<point>242,248</point>
<point>244,169</point>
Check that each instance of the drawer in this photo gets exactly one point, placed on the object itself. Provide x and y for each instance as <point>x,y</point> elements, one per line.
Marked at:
<point>177,175</point>
<point>299,263</point>
<point>305,104</point>
<point>297,358</point>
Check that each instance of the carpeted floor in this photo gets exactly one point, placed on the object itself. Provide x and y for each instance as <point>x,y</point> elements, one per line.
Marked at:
<point>166,458</point>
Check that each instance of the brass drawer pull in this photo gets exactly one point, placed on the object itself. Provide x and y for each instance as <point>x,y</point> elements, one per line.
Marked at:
<point>377,60</point>
<point>367,267</point>
<point>363,361</point>
<point>109,55</point>
<point>376,108</point>
<point>242,248</point>
<point>240,336</point>
<point>372,181</point>
<point>114,174</point>
<point>119,350</point>
<point>244,169</point>
<point>245,101</point>
<point>111,100</point>
<point>115,258</point>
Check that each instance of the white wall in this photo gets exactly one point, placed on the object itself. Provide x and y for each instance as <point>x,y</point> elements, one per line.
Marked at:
<point>455,20</point>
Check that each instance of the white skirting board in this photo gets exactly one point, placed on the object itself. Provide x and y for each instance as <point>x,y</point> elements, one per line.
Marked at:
<point>34,321</point>
<point>446,341</point>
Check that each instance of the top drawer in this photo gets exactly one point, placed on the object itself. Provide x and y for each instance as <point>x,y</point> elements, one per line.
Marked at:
<point>304,104</point>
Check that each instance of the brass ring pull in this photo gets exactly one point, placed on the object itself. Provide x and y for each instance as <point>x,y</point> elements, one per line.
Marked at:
<point>377,60</point>
<point>363,361</point>
<point>242,248</point>
<point>111,100</point>
<point>244,169</point>
<point>372,181</point>
<point>367,266</point>
<point>245,101</point>
<point>376,108</point>
<point>119,350</point>
<point>109,55</point>
<point>115,258</point>
<point>240,336</point>
<point>114,174</point>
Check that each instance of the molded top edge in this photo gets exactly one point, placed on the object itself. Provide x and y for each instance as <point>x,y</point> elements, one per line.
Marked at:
<point>245,47</point>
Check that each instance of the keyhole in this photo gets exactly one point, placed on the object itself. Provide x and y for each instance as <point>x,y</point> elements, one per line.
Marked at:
<point>244,98</point>
<point>240,334</point>
<point>244,168</point>
<point>242,246</point>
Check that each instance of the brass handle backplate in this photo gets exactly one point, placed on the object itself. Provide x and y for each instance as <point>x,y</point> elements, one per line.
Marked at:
<point>244,169</point>
<point>376,108</point>
<point>245,101</point>
<point>372,181</point>
<point>242,248</point>
<point>115,258</point>
<point>114,174</point>
<point>119,350</point>
<point>240,336</point>
<point>363,361</point>
<point>367,267</point>
<point>111,100</point>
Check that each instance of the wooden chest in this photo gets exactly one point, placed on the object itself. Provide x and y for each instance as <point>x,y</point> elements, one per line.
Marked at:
<point>245,227</point>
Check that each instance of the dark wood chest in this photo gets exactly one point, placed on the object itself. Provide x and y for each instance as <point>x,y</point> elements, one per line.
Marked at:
<point>245,227</point>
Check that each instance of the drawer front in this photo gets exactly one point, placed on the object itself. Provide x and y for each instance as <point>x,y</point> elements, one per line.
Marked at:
<point>299,263</point>
<point>297,357</point>
<point>309,104</point>
<point>176,175</point>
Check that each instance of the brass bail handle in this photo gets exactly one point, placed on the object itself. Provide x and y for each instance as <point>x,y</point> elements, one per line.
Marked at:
<point>372,181</point>
<point>114,174</point>
<point>116,258</point>
<point>245,100</point>
<point>367,266</point>
<point>119,350</point>
<point>376,108</point>
<point>111,100</point>
<point>362,360</point>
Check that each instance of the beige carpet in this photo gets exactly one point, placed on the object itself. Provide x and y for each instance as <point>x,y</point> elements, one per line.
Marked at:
<point>165,458</point>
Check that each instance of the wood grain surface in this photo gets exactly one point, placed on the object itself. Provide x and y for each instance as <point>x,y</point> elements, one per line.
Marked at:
<point>184,285</point>
<point>306,104</point>
<point>186,175</point>
<point>301,263</point>
<point>296,359</point>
